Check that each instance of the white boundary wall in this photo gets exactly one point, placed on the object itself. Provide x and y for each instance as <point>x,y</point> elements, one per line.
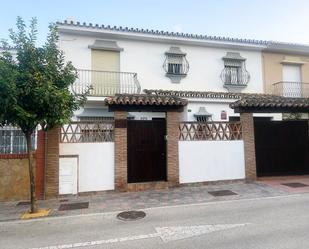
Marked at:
<point>201,161</point>
<point>95,164</point>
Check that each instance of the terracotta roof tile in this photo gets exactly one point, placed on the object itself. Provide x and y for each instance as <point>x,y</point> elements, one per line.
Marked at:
<point>195,94</point>
<point>145,99</point>
<point>270,101</point>
<point>269,45</point>
<point>161,33</point>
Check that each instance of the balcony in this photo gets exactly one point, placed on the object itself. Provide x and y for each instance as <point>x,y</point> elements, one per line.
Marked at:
<point>105,83</point>
<point>235,78</point>
<point>291,89</point>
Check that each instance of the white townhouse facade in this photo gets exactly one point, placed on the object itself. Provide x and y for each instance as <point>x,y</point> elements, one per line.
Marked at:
<point>159,109</point>
<point>165,109</point>
<point>122,60</point>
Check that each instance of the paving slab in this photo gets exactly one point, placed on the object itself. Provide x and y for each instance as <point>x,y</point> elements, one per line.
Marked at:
<point>289,184</point>
<point>114,201</point>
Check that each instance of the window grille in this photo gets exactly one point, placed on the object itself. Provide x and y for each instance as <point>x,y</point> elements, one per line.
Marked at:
<point>175,65</point>
<point>203,115</point>
<point>94,119</point>
<point>203,118</point>
<point>234,72</point>
<point>13,140</point>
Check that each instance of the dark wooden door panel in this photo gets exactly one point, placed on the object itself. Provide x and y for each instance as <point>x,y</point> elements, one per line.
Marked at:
<point>146,151</point>
<point>282,148</point>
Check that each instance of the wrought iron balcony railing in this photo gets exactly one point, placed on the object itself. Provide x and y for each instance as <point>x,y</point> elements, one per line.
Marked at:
<point>291,89</point>
<point>234,76</point>
<point>105,83</point>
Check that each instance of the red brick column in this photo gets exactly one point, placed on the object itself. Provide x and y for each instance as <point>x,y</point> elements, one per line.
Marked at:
<point>172,129</point>
<point>40,165</point>
<point>52,163</point>
<point>249,143</point>
<point>121,165</point>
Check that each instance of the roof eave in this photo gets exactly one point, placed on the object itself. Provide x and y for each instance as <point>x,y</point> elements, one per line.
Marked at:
<point>115,34</point>
<point>290,49</point>
<point>270,109</point>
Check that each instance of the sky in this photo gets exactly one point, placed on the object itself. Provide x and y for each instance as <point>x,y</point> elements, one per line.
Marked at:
<point>279,20</point>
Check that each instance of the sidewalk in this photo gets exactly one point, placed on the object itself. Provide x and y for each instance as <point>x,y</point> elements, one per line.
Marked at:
<point>111,201</point>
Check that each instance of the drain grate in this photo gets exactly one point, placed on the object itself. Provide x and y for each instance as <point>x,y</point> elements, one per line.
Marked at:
<point>73,206</point>
<point>23,203</point>
<point>295,184</point>
<point>131,215</point>
<point>222,193</point>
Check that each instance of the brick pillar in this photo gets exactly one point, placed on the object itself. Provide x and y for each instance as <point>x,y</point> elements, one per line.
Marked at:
<point>52,163</point>
<point>121,165</point>
<point>172,130</point>
<point>249,143</point>
<point>40,165</point>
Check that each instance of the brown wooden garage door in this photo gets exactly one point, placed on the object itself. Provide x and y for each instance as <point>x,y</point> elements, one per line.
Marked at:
<point>146,151</point>
<point>282,148</point>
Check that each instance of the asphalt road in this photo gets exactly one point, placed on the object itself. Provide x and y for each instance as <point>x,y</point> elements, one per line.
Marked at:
<point>269,223</point>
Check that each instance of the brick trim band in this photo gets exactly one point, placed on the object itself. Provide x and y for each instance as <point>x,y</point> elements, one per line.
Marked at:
<point>15,156</point>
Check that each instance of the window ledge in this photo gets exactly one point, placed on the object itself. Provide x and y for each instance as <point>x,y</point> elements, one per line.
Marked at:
<point>234,88</point>
<point>175,78</point>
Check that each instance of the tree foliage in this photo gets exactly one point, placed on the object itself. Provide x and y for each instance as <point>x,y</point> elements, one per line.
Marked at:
<point>35,85</point>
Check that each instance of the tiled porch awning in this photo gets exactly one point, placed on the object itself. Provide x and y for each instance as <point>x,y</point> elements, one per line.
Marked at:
<point>270,103</point>
<point>144,101</point>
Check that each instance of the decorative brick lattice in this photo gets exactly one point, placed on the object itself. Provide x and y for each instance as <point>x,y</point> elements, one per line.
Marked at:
<point>87,132</point>
<point>192,131</point>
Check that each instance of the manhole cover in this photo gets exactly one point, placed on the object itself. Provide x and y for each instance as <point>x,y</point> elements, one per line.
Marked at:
<point>222,193</point>
<point>73,206</point>
<point>295,185</point>
<point>131,215</point>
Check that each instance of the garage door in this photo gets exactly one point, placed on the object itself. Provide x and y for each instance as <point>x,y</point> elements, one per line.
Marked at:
<point>282,148</point>
<point>68,175</point>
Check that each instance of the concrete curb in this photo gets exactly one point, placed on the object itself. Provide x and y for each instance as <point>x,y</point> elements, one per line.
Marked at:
<point>114,213</point>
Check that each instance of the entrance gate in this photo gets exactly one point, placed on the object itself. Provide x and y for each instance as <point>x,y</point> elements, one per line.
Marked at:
<point>147,151</point>
<point>282,148</point>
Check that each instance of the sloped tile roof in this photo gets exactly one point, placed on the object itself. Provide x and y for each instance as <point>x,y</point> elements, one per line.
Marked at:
<point>270,45</point>
<point>264,101</point>
<point>161,33</point>
<point>145,99</point>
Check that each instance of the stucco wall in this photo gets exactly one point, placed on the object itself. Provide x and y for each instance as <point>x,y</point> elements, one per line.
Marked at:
<point>272,68</point>
<point>215,107</point>
<point>201,161</point>
<point>14,179</point>
<point>96,164</point>
<point>147,58</point>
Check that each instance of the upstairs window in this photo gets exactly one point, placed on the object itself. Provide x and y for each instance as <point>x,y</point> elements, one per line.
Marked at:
<point>234,75</point>
<point>175,65</point>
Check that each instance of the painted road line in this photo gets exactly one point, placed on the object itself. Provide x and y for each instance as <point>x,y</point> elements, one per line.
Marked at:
<point>166,234</point>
